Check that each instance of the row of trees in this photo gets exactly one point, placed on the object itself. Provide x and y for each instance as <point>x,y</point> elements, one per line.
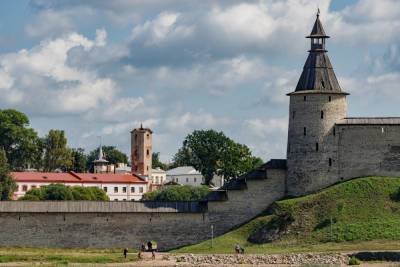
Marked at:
<point>62,192</point>
<point>24,148</point>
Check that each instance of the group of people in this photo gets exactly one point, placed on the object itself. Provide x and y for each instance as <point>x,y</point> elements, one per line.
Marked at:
<point>143,248</point>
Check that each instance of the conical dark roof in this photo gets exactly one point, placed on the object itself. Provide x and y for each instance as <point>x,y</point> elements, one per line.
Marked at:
<point>318,73</point>
<point>318,30</point>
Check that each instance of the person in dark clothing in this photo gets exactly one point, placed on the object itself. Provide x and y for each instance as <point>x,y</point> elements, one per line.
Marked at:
<point>125,252</point>
<point>149,246</point>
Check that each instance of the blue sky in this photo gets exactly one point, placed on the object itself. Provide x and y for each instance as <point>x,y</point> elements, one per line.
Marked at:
<point>99,67</point>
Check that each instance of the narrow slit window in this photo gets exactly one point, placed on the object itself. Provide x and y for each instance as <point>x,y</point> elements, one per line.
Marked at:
<point>330,98</point>
<point>322,84</point>
<point>293,114</point>
<point>322,114</point>
<point>316,147</point>
<point>334,131</point>
<point>330,162</point>
<point>305,131</point>
<point>305,98</point>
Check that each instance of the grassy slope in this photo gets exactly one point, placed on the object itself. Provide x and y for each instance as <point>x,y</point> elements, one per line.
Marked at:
<point>363,212</point>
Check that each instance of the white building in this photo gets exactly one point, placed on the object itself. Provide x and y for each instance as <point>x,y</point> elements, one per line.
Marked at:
<point>119,187</point>
<point>187,175</point>
<point>158,176</point>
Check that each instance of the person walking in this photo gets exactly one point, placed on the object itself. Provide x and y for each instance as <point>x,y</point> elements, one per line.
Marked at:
<point>237,249</point>
<point>125,252</point>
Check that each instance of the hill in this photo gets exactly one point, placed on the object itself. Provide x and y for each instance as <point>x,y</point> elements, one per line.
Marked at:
<point>363,213</point>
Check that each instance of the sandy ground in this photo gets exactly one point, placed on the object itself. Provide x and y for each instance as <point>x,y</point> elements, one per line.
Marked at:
<point>160,261</point>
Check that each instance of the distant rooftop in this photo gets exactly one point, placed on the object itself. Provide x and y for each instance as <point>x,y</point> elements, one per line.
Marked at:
<point>184,170</point>
<point>370,121</point>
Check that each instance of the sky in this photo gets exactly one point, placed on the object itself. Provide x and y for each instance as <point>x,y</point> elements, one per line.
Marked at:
<point>100,68</point>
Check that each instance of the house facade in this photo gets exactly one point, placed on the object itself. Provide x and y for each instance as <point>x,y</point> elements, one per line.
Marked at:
<point>118,187</point>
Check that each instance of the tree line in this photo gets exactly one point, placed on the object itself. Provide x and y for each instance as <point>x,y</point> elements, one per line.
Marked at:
<point>24,149</point>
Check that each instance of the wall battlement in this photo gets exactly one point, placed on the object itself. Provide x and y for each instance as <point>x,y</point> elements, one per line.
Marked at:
<point>102,207</point>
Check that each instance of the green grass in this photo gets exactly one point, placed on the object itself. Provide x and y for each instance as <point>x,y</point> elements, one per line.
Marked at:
<point>64,256</point>
<point>363,211</point>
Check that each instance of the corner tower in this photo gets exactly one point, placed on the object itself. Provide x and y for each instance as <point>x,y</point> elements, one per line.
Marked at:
<point>141,150</point>
<point>316,105</point>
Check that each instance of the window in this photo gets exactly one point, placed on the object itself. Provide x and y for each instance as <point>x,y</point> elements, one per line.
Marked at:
<point>187,180</point>
<point>195,179</point>
<point>157,180</point>
<point>305,98</point>
<point>147,167</point>
<point>293,114</point>
<point>132,190</point>
<point>330,162</point>
<point>140,189</point>
<point>24,188</point>
<point>148,152</point>
<point>334,131</point>
<point>148,136</point>
<point>316,146</point>
<point>116,189</point>
<point>105,189</point>
<point>124,189</point>
<point>33,186</point>
<point>322,84</point>
<point>322,114</point>
<point>305,131</point>
<point>124,199</point>
<point>329,98</point>
<point>135,137</point>
<point>116,199</point>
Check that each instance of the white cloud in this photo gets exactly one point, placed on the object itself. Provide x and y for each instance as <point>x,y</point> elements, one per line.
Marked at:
<point>45,83</point>
<point>264,128</point>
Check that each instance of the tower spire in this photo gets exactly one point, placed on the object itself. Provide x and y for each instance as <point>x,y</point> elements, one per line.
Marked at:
<point>318,72</point>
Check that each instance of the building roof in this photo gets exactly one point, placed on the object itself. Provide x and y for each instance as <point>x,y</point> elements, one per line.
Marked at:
<point>73,177</point>
<point>158,170</point>
<point>184,170</point>
<point>370,121</point>
<point>141,129</point>
<point>318,74</point>
<point>318,30</point>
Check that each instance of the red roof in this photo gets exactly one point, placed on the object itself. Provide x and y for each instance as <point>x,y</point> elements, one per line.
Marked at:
<point>73,177</point>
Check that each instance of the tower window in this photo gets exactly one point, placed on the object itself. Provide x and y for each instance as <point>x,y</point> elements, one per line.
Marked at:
<point>322,114</point>
<point>316,147</point>
<point>322,84</point>
<point>305,98</point>
<point>330,162</point>
<point>305,131</point>
<point>334,131</point>
<point>148,152</point>
<point>293,114</point>
<point>329,98</point>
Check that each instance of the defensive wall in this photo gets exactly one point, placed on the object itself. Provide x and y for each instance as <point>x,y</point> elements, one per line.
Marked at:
<point>83,224</point>
<point>368,147</point>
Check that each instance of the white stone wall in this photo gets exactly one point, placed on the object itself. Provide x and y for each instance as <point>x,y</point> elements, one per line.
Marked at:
<point>186,179</point>
<point>309,168</point>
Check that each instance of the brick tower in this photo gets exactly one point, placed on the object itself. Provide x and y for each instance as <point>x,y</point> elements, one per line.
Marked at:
<point>141,150</point>
<point>316,105</point>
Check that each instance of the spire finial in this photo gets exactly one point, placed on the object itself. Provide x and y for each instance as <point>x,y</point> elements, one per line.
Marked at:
<point>318,12</point>
<point>141,126</point>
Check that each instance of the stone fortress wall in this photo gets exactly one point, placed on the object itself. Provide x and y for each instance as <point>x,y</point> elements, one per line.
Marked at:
<point>368,149</point>
<point>129,224</point>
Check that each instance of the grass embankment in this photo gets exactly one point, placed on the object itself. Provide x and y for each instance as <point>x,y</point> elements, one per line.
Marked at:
<point>365,215</point>
<point>63,256</point>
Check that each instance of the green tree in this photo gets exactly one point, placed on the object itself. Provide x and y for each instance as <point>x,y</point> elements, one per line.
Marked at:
<point>156,163</point>
<point>212,152</point>
<point>57,192</point>
<point>178,193</point>
<point>79,160</point>
<point>20,143</point>
<point>112,154</point>
<point>57,154</point>
<point>7,183</point>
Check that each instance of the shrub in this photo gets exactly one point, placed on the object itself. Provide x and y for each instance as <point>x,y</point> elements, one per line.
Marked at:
<point>178,193</point>
<point>354,261</point>
<point>62,192</point>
